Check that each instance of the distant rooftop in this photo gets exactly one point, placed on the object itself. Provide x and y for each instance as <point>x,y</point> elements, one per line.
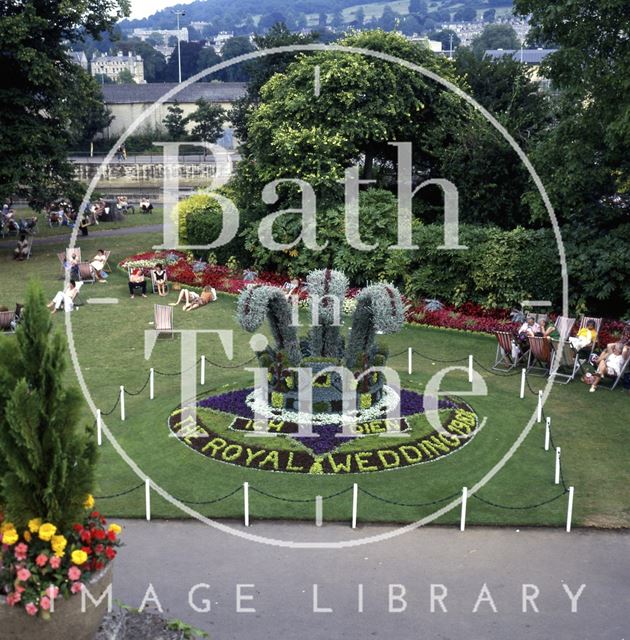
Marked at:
<point>529,56</point>
<point>144,93</point>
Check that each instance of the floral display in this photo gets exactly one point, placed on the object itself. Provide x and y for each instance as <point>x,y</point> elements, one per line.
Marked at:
<point>466,317</point>
<point>39,563</point>
<point>324,453</point>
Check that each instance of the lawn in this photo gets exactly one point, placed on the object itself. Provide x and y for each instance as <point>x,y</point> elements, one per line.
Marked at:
<point>590,428</point>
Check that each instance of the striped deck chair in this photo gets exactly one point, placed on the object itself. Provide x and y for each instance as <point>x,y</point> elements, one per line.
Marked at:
<point>6,321</point>
<point>86,273</point>
<point>163,316</point>
<point>106,266</point>
<point>539,356</point>
<point>504,359</point>
<point>564,326</point>
<point>614,380</point>
<point>154,281</point>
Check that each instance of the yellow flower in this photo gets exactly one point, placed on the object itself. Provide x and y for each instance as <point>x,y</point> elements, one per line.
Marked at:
<point>10,536</point>
<point>115,528</point>
<point>27,536</point>
<point>58,544</point>
<point>47,531</point>
<point>78,557</point>
<point>5,526</point>
<point>89,501</point>
<point>34,525</point>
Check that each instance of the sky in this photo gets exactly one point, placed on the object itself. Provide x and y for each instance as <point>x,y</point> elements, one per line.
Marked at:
<point>144,8</point>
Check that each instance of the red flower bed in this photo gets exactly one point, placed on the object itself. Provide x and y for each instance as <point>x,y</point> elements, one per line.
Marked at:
<point>183,268</point>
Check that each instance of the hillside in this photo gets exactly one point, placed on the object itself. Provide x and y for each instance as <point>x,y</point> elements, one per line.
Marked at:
<point>232,14</point>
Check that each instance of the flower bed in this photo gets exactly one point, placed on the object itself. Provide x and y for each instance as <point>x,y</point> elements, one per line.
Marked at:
<point>41,564</point>
<point>184,268</point>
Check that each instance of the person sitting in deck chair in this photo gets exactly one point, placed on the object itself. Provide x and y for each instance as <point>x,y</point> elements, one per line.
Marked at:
<point>21,250</point>
<point>607,365</point>
<point>193,300</point>
<point>624,340</point>
<point>548,329</point>
<point>137,281</point>
<point>98,265</point>
<point>586,336</point>
<point>64,298</point>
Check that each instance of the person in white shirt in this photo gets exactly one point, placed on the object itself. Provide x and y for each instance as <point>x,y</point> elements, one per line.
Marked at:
<point>608,365</point>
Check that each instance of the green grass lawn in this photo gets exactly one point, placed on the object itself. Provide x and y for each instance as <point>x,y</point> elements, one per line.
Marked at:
<point>590,428</point>
<point>133,220</point>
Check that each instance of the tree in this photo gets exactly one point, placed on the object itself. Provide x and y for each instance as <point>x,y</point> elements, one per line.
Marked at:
<point>125,77</point>
<point>46,459</point>
<point>268,20</point>
<point>444,37</point>
<point>489,15</point>
<point>233,48</point>
<point>495,36</point>
<point>419,8</point>
<point>174,122</point>
<point>441,15</point>
<point>153,61</point>
<point>410,25</point>
<point>40,104</point>
<point>95,115</point>
<point>190,52</point>
<point>172,41</point>
<point>208,57</point>
<point>209,119</point>
<point>389,19</point>
<point>155,39</point>
<point>359,17</point>
<point>466,14</point>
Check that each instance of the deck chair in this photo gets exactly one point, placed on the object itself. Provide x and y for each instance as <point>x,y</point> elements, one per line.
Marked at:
<point>7,324</point>
<point>504,359</point>
<point>154,281</point>
<point>584,354</point>
<point>106,266</point>
<point>614,380</point>
<point>29,247</point>
<point>78,300</point>
<point>539,356</point>
<point>163,317</point>
<point>564,326</point>
<point>86,273</point>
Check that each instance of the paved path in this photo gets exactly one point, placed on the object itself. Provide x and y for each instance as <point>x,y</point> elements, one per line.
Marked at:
<point>175,556</point>
<point>105,233</point>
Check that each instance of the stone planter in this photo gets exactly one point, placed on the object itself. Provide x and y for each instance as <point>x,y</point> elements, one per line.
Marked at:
<point>67,622</point>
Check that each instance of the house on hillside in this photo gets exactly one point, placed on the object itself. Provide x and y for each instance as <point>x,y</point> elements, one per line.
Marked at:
<point>112,66</point>
<point>128,102</point>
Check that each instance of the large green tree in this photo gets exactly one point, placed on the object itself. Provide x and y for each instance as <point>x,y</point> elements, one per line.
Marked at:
<point>40,103</point>
<point>208,121</point>
<point>46,458</point>
<point>495,36</point>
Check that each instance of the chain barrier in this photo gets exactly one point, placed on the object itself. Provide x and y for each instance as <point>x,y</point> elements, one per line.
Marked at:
<point>122,493</point>
<point>529,506</point>
<point>109,413</point>
<point>440,361</point>
<point>407,504</point>
<point>303,500</point>
<point>137,393</point>
<point>225,497</point>
<point>236,366</point>
<point>500,374</point>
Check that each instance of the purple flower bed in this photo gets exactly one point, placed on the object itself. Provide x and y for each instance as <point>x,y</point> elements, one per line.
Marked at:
<point>233,402</point>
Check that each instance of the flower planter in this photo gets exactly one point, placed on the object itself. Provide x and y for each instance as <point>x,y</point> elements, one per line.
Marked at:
<point>68,621</point>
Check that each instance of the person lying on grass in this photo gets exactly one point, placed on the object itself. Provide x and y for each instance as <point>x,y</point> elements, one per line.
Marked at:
<point>193,300</point>
<point>608,365</point>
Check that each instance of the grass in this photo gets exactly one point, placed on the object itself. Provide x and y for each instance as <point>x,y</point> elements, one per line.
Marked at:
<point>590,428</point>
<point>133,220</point>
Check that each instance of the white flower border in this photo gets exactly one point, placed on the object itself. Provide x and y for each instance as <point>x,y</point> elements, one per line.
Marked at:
<point>259,405</point>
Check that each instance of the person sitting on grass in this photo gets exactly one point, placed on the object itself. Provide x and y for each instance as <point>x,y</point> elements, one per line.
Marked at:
<point>145,205</point>
<point>610,365</point>
<point>137,281</point>
<point>21,250</point>
<point>64,298</point>
<point>585,336</point>
<point>193,300</point>
<point>160,279</point>
<point>98,265</point>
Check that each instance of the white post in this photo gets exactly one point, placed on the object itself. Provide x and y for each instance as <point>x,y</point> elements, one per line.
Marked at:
<point>246,502</point>
<point>203,370</point>
<point>355,500</point>
<point>547,433</point>
<point>557,480</point>
<point>147,497</point>
<point>99,428</point>
<point>523,374</point>
<point>470,369</point>
<point>540,406</point>
<point>151,384</point>
<point>319,511</point>
<point>462,522</point>
<point>570,509</point>
<point>122,403</point>
<point>409,362</point>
